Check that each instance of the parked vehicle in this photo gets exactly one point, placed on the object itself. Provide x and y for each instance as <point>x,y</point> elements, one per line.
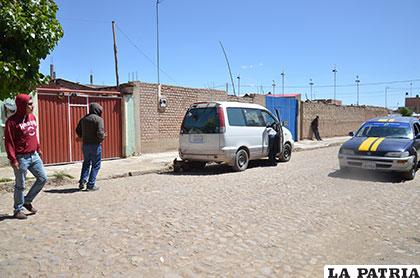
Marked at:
<point>384,144</point>
<point>229,132</point>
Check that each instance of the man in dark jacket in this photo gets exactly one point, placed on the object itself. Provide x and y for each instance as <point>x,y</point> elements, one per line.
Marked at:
<point>23,152</point>
<point>314,127</point>
<point>90,130</point>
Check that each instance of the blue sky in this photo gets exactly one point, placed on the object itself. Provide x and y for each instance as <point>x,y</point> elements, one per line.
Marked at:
<point>377,40</point>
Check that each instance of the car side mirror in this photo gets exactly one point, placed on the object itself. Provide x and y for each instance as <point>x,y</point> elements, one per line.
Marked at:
<point>351,133</point>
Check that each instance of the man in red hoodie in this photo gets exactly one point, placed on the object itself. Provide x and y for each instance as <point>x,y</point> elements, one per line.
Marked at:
<point>23,152</point>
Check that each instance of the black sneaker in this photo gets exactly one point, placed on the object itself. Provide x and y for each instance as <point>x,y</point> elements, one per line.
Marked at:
<point>92,188</point>
<point>20,215</point>
<point>30,208</point>
<point>82,185</point>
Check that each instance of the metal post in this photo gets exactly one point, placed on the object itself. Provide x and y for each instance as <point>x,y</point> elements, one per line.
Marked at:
<point>274,87</point>
<point>335,84</point>
<point>239,85</point>
<point>282,82</point>
<point>115,53</point>
<point>311,84</point>
<point>386,97</point>
<point>357,86</point>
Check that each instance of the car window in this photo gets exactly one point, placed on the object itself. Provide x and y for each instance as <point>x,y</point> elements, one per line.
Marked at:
<point>201,120</point>
<point>389,130</point>
<point>253,117</point>
<point>268,119</point>
<point>417,129</point>
<point>236,117</point>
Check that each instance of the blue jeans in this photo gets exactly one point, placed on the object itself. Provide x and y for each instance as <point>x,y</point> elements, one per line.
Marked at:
<point>92,155</point>
<point>33,163</point>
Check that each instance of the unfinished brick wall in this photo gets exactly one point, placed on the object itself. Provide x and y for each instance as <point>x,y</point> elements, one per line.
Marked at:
<point>159,129</point>
<point>335,120</point>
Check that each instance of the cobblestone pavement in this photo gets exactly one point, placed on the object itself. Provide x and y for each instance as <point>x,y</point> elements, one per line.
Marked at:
<point>284,221</point>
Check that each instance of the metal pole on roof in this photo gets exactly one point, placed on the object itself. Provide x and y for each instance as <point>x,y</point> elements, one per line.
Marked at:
<point>335,79</point>
<point>311,84</point>
<point>357,86</point>
<point>230,72</point>
<point>115,53</point>
<point>282,82</point>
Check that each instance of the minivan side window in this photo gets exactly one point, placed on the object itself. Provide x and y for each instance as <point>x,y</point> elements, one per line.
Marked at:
<point>269,120</point>
<point>253,117</point>
<point>236,116</point>
<point>201,120</point>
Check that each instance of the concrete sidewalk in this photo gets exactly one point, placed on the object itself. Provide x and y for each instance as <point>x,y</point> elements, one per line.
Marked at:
<point>149,163</point>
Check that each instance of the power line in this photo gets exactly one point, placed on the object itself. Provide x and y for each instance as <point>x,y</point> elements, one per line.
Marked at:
<point>144,54</point>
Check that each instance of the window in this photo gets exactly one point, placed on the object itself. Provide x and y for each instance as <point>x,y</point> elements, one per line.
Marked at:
<point>269,120</point>
<point>417,129</point>
<point>201,120</point>
<point>389,130</point>
<point>236,116</point>
<point>253,117</point>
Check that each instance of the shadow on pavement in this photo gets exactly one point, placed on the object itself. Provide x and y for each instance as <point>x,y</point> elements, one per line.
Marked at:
<point>63,191</point>
<point>5,217</point>
<point>219,169</point>
<point>365,175</point>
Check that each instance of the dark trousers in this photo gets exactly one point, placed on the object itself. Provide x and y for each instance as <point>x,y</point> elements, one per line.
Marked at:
<point>316,133</point>
<point>92,154</point>
<point>272,147</point>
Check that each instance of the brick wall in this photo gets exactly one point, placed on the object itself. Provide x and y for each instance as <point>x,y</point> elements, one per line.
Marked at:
<point>413,103</point>
<point>159,129</point>
<point>335,120</point>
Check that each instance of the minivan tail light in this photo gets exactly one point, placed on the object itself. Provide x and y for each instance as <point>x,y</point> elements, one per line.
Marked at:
<point>221,115</point>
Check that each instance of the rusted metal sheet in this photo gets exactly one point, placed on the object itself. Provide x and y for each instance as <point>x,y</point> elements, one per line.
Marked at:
<point>60,111</point>
<point>53,128</point>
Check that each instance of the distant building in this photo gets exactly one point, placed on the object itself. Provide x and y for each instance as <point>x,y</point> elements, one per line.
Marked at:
<point>329,101</point>
<point>413,103</point>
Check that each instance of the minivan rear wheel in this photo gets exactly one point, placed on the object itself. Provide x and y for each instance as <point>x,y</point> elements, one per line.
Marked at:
<point>241,160</point>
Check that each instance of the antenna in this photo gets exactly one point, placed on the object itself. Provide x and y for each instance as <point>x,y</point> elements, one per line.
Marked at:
<point>230,72</point>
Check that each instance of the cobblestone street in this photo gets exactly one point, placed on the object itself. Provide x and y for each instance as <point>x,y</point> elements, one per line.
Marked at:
<point>284,221</point>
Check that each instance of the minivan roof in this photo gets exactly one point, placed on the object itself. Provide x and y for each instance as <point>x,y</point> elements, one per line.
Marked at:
<point>232,104</point>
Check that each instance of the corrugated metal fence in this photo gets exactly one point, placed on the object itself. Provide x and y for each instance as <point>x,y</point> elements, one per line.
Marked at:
<point>59,112</point>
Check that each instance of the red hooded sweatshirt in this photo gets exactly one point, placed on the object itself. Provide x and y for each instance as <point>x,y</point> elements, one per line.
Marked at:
<point>20,131</point>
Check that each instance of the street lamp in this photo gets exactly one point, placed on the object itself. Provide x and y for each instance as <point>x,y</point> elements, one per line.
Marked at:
<point>311,84</point>
<point>239,84</point>
<point>335,75</point>
<point>357,86</point>
<point>282,82</point>
<point>157,46</point>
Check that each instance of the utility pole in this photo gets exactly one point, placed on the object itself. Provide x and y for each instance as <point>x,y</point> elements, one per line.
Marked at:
<point>239,84</point>
<point>227,87</point>
<point>411,88</point>
<point>310,85</point>
<point>157,47</point>
<point>386,97</point>
<point>357,86</point>
<point>230,72</point>
<point>115,53</point>
<point>335,84</point>
<point>282,82</point>
<point>274,87</point>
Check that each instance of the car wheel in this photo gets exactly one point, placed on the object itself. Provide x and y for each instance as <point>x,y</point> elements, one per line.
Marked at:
<point>241,160</point>
<point>286,154</point>
<point>410,175</point>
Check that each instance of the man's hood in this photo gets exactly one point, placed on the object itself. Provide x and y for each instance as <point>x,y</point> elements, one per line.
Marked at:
<point>22,101</point>
<point>95,108</point>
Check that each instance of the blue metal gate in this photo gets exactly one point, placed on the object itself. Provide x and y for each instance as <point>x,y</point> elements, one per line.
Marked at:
<point>288,110</point>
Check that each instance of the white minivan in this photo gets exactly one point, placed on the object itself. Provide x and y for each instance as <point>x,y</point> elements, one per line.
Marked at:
<point>230,132</point>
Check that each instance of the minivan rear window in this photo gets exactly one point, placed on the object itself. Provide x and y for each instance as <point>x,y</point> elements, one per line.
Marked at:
<point>201,120</point>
